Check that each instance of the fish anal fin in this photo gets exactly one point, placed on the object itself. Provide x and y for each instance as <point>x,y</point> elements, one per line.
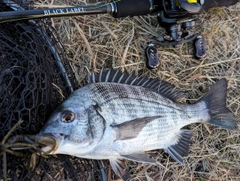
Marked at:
<point>179,150</point>
<point>140,157</point>
<point>131,129</point>
<point>120,169</point>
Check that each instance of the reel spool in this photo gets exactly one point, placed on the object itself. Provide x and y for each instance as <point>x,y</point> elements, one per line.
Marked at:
<point>35,77</point>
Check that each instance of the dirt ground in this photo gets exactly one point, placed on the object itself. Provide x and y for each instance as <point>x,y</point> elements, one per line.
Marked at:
<point>92,41</point>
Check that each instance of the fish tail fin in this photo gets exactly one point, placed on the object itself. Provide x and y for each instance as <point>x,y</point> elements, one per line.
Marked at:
<point>215,101</point>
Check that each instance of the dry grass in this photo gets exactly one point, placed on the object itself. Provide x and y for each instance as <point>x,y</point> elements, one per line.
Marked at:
<point>97,40</point>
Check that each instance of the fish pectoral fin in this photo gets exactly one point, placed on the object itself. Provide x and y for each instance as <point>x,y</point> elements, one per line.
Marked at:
<point>131,129</point>
<point>179,150</point>
<point>120,169</point>
<point>140,157</point>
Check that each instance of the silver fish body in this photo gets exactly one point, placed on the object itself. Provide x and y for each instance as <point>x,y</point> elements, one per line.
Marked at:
<point>123,118</point>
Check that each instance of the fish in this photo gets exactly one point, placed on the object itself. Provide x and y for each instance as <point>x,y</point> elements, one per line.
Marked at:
<point>119,116</point>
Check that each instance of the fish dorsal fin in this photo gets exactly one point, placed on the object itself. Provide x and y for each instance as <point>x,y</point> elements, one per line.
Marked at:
<point>161,87</point>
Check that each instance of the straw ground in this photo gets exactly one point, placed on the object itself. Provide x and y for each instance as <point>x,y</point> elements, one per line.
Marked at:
<point>96,40</point>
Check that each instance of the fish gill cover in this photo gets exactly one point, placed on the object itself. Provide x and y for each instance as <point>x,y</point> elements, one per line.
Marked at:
<point>32,84</point>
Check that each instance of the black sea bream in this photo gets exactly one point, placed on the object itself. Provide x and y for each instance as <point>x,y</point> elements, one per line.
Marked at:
<point>121,116</point>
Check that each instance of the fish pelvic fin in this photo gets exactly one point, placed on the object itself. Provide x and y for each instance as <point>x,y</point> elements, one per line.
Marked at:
<point>215,100</point>
<point>120,169</point>
<point>179,150</point>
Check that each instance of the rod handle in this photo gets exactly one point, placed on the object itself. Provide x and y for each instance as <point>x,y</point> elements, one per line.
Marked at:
<point>124,8</point>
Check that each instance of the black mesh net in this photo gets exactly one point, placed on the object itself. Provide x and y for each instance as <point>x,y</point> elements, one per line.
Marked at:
<point>34,78</point>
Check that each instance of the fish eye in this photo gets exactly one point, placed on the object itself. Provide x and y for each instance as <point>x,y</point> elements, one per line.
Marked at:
<point>68,116</point>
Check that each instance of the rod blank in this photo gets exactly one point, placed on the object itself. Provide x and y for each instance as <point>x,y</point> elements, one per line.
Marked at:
<point>117,8</point>
<point>54,12</point>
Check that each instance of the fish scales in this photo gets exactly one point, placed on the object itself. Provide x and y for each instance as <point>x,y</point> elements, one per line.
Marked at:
<point>142,104</point>
<point>122,99</point>
<point>120,116</point>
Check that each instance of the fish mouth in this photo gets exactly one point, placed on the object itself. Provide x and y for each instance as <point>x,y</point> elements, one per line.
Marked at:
<point>49,142</point>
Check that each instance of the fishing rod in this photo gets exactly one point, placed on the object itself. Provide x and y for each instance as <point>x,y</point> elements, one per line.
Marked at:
<point>178,17</point>
<point>118,8</point>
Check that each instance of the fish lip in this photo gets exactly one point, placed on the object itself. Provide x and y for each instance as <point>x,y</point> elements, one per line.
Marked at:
<point>58,138</point>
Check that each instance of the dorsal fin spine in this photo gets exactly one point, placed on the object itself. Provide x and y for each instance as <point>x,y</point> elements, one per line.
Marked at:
<point>154,85</point>
<point>100,75</point>
<point>107,76</point>
<point>126,81</point>
<point>149,82</point>
<point>145,82</point>
<point>115,75</point>
<point>133,80</point>
<point>93,77</point>
<point>120,78</point>
<point>141,80</point>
